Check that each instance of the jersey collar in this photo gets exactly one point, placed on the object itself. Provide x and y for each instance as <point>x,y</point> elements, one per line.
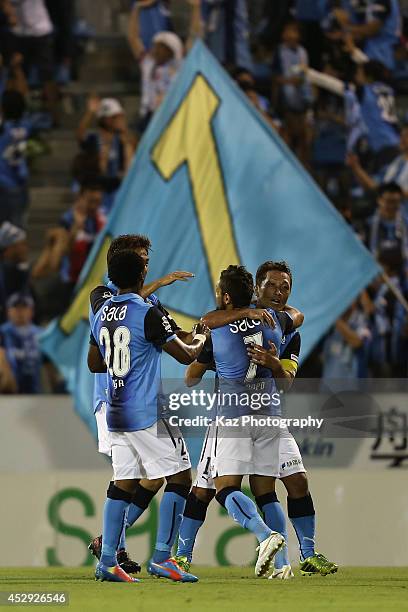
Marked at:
<point>123,297</point>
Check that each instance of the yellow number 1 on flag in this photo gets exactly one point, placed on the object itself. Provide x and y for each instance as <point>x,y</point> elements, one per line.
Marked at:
<point>189,139</point>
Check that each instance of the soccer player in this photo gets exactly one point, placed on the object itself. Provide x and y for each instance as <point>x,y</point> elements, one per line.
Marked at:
<point>273,287</point>
<point>146,489</point>
<point>131,335</point>
<point>233,457</point>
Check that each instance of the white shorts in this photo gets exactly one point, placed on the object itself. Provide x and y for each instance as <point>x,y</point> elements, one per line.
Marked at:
<point>154,452</point>
<point>104,440</point>
<point>204,478</point>
<point>249,449</point>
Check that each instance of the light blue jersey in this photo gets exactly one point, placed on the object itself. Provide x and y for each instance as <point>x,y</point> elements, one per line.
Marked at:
<point>237,374</point>
<point>130,333</point>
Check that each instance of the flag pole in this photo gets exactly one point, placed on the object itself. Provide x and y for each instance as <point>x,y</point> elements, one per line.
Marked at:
<point>397,293</point>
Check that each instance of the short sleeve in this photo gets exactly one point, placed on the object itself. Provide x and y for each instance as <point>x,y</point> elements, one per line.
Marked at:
<point>166,313</point>
<point>98,297</point>
<point>157,327</point>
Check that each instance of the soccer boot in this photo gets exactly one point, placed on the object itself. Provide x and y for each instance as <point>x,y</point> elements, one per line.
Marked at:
<point>123,559</point>
<point>283,573</point>
<point>182,562</point>
<point>317,564</point>
<point>112,574</point>
<point>170,569</point>
<point>126,563</point>
<point>267,551</point>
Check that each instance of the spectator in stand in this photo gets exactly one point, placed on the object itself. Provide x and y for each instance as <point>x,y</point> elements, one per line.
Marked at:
<point>15,130</point>
<point>226,31</point>
<point>68,246</point>
<point>112,143</point>
<point>32,31</point>
<point>386,229</point>
<point>19,340</point>
<point>247,83</point>
<point>14,265</point>
<point>370,110</point>
<point>375,24</point>
<point>388,354</point>
<point>345,350</point>
<point>159,52</point>
<point>395,172</point>
<point>293,94</point>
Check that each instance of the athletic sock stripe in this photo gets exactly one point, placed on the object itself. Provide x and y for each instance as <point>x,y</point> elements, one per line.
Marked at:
<point>173,520</point>
<point>241,510</point>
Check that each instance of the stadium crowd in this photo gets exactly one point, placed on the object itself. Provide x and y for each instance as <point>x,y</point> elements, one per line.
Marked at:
<point>330,76</point>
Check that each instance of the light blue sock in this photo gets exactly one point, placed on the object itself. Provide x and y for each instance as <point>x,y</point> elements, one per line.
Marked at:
<point>302,516</point>
<point>193,517</point>
<point>170,515</point>
<point>114,515</point>
<point>275,519</point>
<point>133,514</point>
<point>243,510</point>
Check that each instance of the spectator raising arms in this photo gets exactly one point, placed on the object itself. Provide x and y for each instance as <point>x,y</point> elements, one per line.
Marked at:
<point>158,50</point>
<point>112,143</point>
<point>375,24</point>
<point>69,244</point>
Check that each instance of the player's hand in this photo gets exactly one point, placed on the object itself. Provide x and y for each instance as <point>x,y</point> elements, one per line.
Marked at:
<point>201,328</point>
<point>263,315</point>
<point>263,357</point>
<point>179,275</point>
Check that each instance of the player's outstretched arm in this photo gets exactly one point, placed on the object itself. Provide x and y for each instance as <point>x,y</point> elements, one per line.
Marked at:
<point>187,353</point>
<point>296,316</point>
<point>219,318</point>
<point>169,279</point>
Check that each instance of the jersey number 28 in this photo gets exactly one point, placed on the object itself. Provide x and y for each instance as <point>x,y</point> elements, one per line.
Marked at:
<point>118,363</point>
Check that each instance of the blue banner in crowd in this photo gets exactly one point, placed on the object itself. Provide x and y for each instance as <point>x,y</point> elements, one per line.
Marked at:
<point>212,184</point>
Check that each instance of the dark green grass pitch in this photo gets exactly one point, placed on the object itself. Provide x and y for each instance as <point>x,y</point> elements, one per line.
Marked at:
<point>232,589</point>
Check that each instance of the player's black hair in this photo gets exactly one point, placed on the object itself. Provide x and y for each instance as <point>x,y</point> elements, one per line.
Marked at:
<point>280,266</point>
<point>126,269</point>
<point>13,105</point>
<point>389,188</point>
<point>239,284</point>
<point>129,242</point>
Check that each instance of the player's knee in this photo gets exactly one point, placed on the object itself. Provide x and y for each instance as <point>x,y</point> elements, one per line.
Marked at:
<point>204,495</point>
<point>296,485</point>
<point>153,485</point>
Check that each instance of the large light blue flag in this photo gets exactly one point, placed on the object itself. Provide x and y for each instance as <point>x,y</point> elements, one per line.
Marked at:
<point>212,184</point>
